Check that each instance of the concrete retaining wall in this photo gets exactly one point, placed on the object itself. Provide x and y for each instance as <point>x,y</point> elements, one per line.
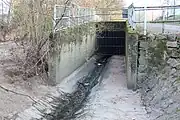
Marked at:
<point>131,60</point>
<point>70,49</point>
<point>158,76</point>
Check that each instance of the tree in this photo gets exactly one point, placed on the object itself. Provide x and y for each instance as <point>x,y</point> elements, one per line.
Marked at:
<point>104,8</point>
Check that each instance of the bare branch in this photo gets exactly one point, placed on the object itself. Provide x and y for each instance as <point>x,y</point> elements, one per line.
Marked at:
<point>11,91</point>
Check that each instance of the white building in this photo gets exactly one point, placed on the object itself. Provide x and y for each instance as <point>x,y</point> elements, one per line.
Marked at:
<point>4,6</point>
<point>4,9</point>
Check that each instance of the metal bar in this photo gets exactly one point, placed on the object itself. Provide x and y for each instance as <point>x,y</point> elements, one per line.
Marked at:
<point>165,21</point>
<point>145,18</point>
<point>110,37</point>
<point>163,25</point>
<point>174,12</point>
<point>108,14</point>
<point>111,46</point>
<point>168,6</point>
<point>148,9</point>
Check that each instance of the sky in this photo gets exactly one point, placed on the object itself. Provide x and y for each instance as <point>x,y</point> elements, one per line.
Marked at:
<point>149,2</point>
<point>141,2</point>
<point>152,14</point>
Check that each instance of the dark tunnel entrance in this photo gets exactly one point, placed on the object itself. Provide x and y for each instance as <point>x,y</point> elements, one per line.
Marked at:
<point>111,38</point>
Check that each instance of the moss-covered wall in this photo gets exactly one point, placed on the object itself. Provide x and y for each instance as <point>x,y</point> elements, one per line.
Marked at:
<point>69,49</point>
<point>158,76</point>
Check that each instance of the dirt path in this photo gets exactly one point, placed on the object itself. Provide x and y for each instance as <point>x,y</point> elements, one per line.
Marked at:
<point>112,100</point>
<point>11,103</point>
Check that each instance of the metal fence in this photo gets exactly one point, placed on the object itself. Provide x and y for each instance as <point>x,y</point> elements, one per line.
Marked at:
<point>68,16</point>
<point>163,15</point>
<point>76,15</point>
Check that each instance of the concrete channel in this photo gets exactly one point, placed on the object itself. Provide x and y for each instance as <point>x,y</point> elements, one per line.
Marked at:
<point>67,56</point>
<point>109,42</point>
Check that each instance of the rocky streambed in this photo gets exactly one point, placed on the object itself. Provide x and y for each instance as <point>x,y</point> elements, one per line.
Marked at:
<point>159,74</point>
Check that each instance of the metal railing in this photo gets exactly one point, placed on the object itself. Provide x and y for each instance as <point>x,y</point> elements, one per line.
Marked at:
<point>73,15</point>
<point>155,14</point>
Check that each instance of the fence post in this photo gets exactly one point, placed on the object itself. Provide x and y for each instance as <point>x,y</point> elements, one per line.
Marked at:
<point>54,20</point>
<point>145,17</point>
<point>174,12</point>
<point>69,16</point>
<point>131,16</point>
<point>163,15</point>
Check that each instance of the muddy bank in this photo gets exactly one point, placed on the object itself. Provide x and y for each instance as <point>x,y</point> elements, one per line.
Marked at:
<point>11,79</point>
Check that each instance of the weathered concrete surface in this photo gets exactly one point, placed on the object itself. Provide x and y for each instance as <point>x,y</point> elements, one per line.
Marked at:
<point>159,78</point>
<point>131,60</point>
<point>70,49</point>
<point>111,100</point>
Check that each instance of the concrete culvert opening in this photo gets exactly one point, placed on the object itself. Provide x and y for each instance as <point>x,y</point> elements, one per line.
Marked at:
<point>111,38</point>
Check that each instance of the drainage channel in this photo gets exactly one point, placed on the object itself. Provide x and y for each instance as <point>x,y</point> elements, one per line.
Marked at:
<point>71,103</point>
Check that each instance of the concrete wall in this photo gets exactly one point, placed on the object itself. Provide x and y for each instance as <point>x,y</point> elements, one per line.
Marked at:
<point>159,76</point>
<point>70,49</point>
<point>131,60</point>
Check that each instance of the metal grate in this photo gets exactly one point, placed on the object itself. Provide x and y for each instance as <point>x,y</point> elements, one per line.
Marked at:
<point>112,41</point>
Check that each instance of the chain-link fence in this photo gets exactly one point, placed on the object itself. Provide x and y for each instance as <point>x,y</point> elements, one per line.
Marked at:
<point>69,16</point>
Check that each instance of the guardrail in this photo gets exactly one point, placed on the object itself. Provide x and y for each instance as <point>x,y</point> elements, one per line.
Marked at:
<point>156,14</point>
<point>73,15</point>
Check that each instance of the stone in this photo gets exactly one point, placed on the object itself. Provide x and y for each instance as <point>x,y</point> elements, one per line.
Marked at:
<point>178,37</point>
<point>159,89</point>
<point>178,66</point>
<point>161,37</point>
<point>171,37</point>
<point>151,36</point>
<point>142,68</point>
<point>172,62</point>
<point>173,71</point>
<point>172,44</point>
<point>174,53</point>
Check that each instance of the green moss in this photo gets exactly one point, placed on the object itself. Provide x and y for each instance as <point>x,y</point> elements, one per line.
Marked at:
<point>131,30</point>
<point>178,80</point>
<point>156,53</point>
<point>178,110</point>
<point>75,34</point>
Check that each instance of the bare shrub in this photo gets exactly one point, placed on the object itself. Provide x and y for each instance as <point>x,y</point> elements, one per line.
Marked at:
<point>31,27</point>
